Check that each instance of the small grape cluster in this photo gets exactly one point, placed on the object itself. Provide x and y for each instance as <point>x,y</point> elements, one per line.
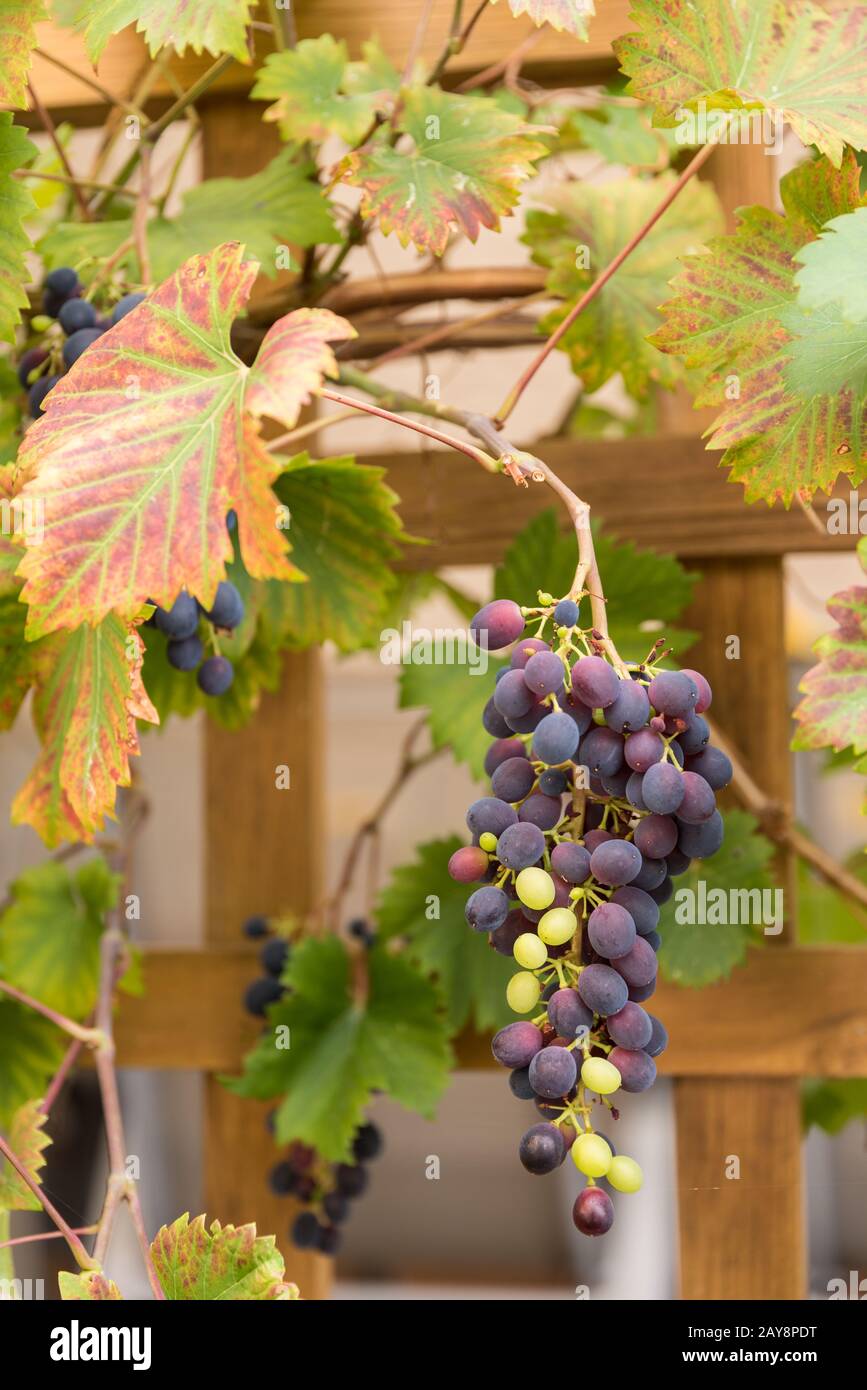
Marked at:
<point>80,323</point>
<point>326,1190</point>
<point>273,956</point>
<point>603,786</point>
<point>185,650</point>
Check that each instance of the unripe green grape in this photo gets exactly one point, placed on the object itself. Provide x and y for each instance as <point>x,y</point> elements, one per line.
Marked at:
<point>40,323</point>
<point>522,993</point>
<point>557,926</point>
<point>592,1155</point>
<point>600,1075</point>
<point>529,951</point>
<point>625,1174</point>
<point>535,888</point>
<point>488,842</point>
<point>545,599</point>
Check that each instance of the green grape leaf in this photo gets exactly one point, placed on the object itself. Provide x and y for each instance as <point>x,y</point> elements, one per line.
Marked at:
<point>791,58</point>
<point>17,656</point>
<point>217,26</point>
<point>832,1105</point>
<point>589,224</point>
<point>463,167</point>
<point>88,696</point>
<point>833,712</point>
<point>340,1051</point>
<point>279,206</point>
<point>376,75</point>
<point>91,1286</point>
<point>824,915</point>
<point>471,974</point>
<point>728,320</point>
<point>620,134</point>
<point>566,16</point>
<point>454,696</point>
<point>31,1048</point>
<point>18,20</point>
<point>219,1264</point>
<point>28,1141</point>
<point>10,431</point>
<point>162,420</point>
<point>16,204</point>
<point>308,86</point>
<point>695,952</point>
<point>50,933</point>
<point>832,267</point>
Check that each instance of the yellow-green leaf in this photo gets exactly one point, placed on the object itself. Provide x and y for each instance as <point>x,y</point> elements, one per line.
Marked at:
<point>91,1286</point>
<point>219,1263</point>
<point>218,26</point>
<point>18,20</point>
<point>28,1141</point>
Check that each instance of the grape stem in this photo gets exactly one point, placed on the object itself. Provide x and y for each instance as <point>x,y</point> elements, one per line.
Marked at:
<point>49,127</point>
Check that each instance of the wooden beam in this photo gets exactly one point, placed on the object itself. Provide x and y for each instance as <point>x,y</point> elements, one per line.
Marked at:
<point>190,1017</point>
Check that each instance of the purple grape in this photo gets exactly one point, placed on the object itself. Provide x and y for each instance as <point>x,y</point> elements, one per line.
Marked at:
<point>468,865</point>
<point>611,930</point>
<point>520,846</point>
<point>125,306</point>
<point>215,675</point>
<point>553,1072</point>
<point>699,802</point>
<point>227,611</point>
<point>642,749</point>
<point>602,751</point>
<point>500,751</point>
<point>616,862</point>
<point>553,781</point>
<point>494,723</point>
<point>656,836</point>
<point>497,625</point>
<point>713,765</point>
<point>541,1149</point>
<point>512,697</point>
<point>571,862</point>
<point>181,620</point>
<point>653,938</point>
<point>185,653</point>
<point>76,314</point>
<point>603,989</point>
<point>630,1028</point>
<point>486,909</point>
<point>556,739</point>
<point>567,1013</point>
<point>519,1084</point>
<point>78,343</point>
<point>577,710</point>
<point>504,936</point>
<point>695,736</point>
<point>542,811</point>
<point>29,361</point>
<point>595,682</point>
<point>662,892</point>
<point>566,613</point>
<point>673,692</point>
<point>490,814</point>
<point>637,1069</point>
<point>677,862</point>
<point>616,784</point>
<point>517,1044</point>
<point>526,723</point>
<point>639,966</point>
<point>593,1212</point>
<point>701,841</point>
<point>640,906</point>
<point>639,993</point>
<point>37,393</point>
<point>662,788</point>
<point>544,673</point>
<point>513,779</point>
<point>634,791</point>
<point>594,838</point>
<point>525,649</point>
<point>658,1038</point>
<point>705,694</point>
<point>650,875</point>
<point>630,710</point>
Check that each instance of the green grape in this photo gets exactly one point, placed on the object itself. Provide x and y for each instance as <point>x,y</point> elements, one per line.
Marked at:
<point>535,888</point>
<point>488,842</point>
<point>625,1174</point>
<point>592,1155</point>
<point>600,1075</point>
<point>522,993</point>
<point>557,926</point>
<point>529,951</point>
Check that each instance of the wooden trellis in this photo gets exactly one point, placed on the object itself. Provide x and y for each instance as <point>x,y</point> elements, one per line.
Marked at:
<point>738,1050</point>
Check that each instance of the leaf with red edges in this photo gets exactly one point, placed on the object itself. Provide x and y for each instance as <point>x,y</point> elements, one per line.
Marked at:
<point>833,712</point>
<point>18,20</point>
<point>28,1141</point>
<point>152,437</point>
<point>91,1286</point>
<point>219,1263</point>
<point>566,16</point>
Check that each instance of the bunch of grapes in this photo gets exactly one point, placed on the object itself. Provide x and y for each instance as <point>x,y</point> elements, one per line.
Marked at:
<point>603,787</point>
<point>67,326</point>
<point>326,1190</point>
<point>185,650</point>
<point>273,956</point>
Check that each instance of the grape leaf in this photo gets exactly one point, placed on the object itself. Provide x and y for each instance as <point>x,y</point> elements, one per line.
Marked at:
<point>340,1051</point>
<point>832,267</point>
<point>88,696</point>
<point>833,712</point>
<point>160,419</point>
<point>280,205</point>
<point>728,319</point>
<point>28,1141</point>
<point>18,20</point>
<point>621,134</point>
<point>463,167</point>
<point>471,974</point>
<point>566,16</point>
<point>824,915</point>
<point>219,1264</point>
<point>16,203</point>
<point>50,933</point>
<point>218,26</point>
<point>10,426</point>
<point>31,1049</point>
<point>790,57</point>
<point>832,1105</point>
<point>308,86</point>
<point>455,700</point>
<point>597,220</point>
<point>89,1286</point>
<point>697,953</point>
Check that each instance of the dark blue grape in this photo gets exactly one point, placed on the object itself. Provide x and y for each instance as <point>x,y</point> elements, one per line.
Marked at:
<point>336,1207</point>
<point>256,927</point>
<point>486,909</point>
<point>76,314</point>
<point>215,675</point>
<point>304,1231</point>
<point>30,360</point>
<point>520,846</point>
<point>699,802</point>
<point>658,1038</point>
<point>630,709</point>
<point>650,875</point>
<point>282,1179</point>
<point>351,1179</point>
<point>556,739</point>
<point>181,620</point>
<point>367,1143</point>
<point>500,751</point>
<point>125,306</point>
<point>553,1072</point>
<point>677,862</point>
<point>566,613</point>
<point>616,862</point>
<point>602,751</point>
<point>656,836</point>
<point>492,814</point>
<point>553,781</point>
<point>701,841</point>
<point>577,710</point>
<point>653,938</point>
<point>511,695</point>
<point>185,653</point>
<point>695,736</point>
<point>713,765</point>
<point>662,892</point>
<point>519,1084</point>
<point>274,955</point>
<point>542,1149</point>
<point>228,607</point>
<point>662,788</point>
<point>603,989</point>
<point>79,343</point>
<point>633,791</point>
<point>261,993</point>
<point>639,966</point>
<point>640,906</point>
<point>544,673</point>
<point>37,393</point>
<point>494,723</point>
<point>542,811</point>
<point>504,936</point>
<point>571,862</point>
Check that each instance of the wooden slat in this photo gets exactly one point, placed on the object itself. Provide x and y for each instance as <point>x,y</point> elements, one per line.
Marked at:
<point>190,1016</point>
<point>666,493</point>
